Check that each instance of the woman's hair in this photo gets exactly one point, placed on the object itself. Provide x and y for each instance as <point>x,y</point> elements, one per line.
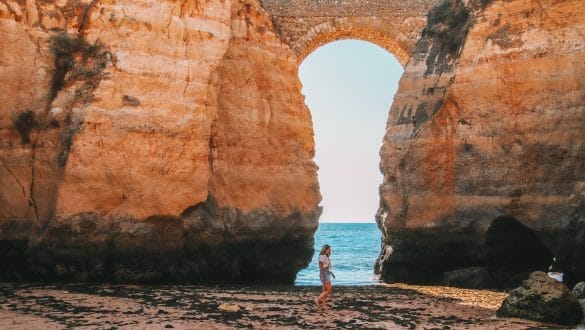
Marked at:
<point>323,249</point>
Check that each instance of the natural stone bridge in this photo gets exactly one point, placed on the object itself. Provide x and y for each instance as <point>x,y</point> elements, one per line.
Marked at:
<point>307,24</point>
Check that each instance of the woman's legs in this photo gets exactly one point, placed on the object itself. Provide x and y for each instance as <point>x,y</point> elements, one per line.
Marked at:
<point>327,288</point>
<point>318,299</point>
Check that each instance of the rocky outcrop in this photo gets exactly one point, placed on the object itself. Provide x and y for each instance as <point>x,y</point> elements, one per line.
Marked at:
<point>484,144</point>
<point>542,298</point>
<point>152,141</point>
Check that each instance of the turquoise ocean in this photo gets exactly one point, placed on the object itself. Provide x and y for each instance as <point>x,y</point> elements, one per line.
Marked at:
<point>355,247</point>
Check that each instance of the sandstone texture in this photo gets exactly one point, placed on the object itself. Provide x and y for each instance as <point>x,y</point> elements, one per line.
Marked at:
<point>542,298</point>
<point>485,145</point>
<point>152,141</point>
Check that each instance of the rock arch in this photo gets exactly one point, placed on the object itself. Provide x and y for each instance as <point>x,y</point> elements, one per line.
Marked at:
<point>368,29</point>
<point>305,25</point>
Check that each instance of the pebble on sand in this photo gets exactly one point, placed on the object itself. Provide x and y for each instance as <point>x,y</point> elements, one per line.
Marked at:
<point>227,307</point>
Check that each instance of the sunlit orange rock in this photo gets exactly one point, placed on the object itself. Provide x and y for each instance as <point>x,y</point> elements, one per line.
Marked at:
<point>492,127</point>
<point>176,145</point>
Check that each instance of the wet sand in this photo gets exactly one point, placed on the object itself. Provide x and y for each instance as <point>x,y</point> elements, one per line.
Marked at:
<point>106,306</point>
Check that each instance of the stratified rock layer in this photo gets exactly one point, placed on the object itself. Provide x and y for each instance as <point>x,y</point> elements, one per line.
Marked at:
<point>152,141</point>
<point>487,130</point>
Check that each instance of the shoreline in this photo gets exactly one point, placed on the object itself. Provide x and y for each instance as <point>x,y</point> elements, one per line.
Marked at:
<point>108,306</point>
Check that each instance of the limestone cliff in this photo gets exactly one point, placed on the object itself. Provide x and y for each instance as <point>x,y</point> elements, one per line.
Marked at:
<point>484,154</point>
<point>152,141</point>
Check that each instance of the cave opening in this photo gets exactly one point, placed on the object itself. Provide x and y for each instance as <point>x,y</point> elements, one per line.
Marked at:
<point>349,86</point>
<point>512,251</point>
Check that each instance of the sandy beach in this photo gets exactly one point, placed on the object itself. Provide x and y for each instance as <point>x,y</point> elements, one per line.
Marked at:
<point>105,306</point>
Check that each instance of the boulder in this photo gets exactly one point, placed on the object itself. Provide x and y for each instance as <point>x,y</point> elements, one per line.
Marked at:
<point>542,298</point>
<point>472,277</point>
<point>579,290</point>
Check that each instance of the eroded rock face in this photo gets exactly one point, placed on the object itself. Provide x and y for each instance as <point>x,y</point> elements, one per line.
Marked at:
<point>152,141</point>
<point>487,124</point>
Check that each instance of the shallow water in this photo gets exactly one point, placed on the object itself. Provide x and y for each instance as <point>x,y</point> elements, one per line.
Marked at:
<point>355,247</point>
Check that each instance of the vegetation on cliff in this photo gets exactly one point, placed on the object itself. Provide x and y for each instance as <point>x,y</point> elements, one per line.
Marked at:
<point>77,60</point>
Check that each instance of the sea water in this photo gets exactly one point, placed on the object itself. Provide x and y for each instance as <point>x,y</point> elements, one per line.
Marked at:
<point>354,246</point>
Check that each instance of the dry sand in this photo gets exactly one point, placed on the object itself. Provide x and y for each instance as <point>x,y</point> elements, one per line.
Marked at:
<point>35,306</point>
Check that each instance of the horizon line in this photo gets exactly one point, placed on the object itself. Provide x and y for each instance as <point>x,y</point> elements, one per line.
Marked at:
<point>347,221</point>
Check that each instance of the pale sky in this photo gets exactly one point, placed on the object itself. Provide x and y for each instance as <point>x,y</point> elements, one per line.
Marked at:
<point>349,86</point>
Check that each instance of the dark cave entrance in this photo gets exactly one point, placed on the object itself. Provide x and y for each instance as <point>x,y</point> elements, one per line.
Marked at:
<point>512,251</point>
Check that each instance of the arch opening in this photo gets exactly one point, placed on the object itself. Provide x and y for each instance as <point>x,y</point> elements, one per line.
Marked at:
<point>349,87</point>
<point>378,32</point>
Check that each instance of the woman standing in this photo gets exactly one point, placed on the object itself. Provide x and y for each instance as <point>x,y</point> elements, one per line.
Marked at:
<point>325,274</point>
